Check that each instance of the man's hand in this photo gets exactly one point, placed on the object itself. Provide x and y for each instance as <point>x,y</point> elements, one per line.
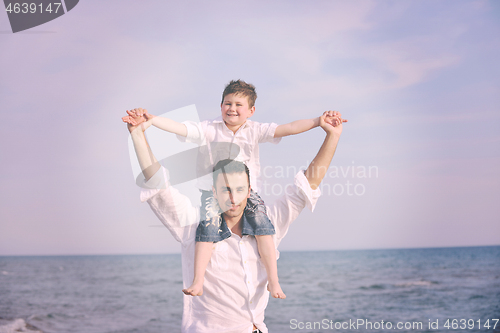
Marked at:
<point>138,118</point>
<point>331,122</point>
<point>331,117</point>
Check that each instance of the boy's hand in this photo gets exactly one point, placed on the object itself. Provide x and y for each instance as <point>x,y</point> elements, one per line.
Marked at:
<point>334,113</point>
<point>137,116</point>
<point>333,118</point>
<point>331,123</point>
<point>133,118</point>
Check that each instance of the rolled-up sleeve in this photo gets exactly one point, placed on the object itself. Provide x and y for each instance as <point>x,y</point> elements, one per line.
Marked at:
<point>288,207</point>
<point>310,196</point>
<point>172,208</point>
<point>195,133</point>
<point>154,184</point>
<point>266,133</point>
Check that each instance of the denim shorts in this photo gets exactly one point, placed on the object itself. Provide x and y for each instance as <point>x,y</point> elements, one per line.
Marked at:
<point>213,228</point>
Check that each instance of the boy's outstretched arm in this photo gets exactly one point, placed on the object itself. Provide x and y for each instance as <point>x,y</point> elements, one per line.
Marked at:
<point>138,116</point>
<point>317,169</point>
<point>303,125</point>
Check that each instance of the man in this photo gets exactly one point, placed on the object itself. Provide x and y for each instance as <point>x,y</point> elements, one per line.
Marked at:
<point>235,295</point>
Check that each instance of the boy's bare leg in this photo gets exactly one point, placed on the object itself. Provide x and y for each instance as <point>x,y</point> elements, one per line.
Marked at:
<point>267,253</point>
<point>202,255</point>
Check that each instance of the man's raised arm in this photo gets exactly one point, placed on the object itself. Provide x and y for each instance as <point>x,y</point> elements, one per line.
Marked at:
<point>172,208</point>
<point>147,161</point>
<point>288,207</point>
<point>319,166</point>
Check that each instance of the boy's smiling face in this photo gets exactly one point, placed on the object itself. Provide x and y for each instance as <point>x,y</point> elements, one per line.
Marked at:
<point>235,111</point>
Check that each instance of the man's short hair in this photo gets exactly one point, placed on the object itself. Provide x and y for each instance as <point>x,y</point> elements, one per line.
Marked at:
<point>230,166</point>
<point>240,87</point>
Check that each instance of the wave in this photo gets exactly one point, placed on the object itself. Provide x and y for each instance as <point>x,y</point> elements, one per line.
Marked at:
<point>420,283</point>
<point>376,286</point>
<point>18,325</point>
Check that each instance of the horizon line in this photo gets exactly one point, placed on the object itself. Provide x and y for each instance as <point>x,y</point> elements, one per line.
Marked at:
<point>178,253</point>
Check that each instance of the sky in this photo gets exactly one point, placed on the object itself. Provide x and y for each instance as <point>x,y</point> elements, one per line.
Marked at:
<point>417,165</point>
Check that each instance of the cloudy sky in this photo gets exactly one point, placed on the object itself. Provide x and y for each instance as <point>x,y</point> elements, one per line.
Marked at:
<point>419,82</point>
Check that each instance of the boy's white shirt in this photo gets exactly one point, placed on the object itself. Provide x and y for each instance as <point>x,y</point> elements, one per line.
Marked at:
<point>248,137</point>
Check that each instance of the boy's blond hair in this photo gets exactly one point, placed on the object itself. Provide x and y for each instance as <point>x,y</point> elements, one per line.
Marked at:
<point>240,87</point>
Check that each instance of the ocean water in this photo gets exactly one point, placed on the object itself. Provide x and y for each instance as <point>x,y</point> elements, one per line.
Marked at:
<point>327,291</point>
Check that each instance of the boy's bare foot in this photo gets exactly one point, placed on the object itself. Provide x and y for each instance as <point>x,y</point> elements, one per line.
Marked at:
<point>275,290</point>
<point>196,289</point>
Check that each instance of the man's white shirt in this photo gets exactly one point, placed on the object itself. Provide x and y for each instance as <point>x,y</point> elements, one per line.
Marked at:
<point>234,292</point>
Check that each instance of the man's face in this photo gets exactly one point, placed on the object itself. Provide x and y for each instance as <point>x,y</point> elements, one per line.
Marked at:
<point>235,110</point>
<point>232,191</point>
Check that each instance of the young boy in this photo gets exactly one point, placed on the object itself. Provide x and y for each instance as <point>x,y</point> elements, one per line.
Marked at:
<point>234,127</point>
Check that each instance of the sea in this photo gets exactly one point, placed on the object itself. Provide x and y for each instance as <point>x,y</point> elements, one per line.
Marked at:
<point>394,290</point>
